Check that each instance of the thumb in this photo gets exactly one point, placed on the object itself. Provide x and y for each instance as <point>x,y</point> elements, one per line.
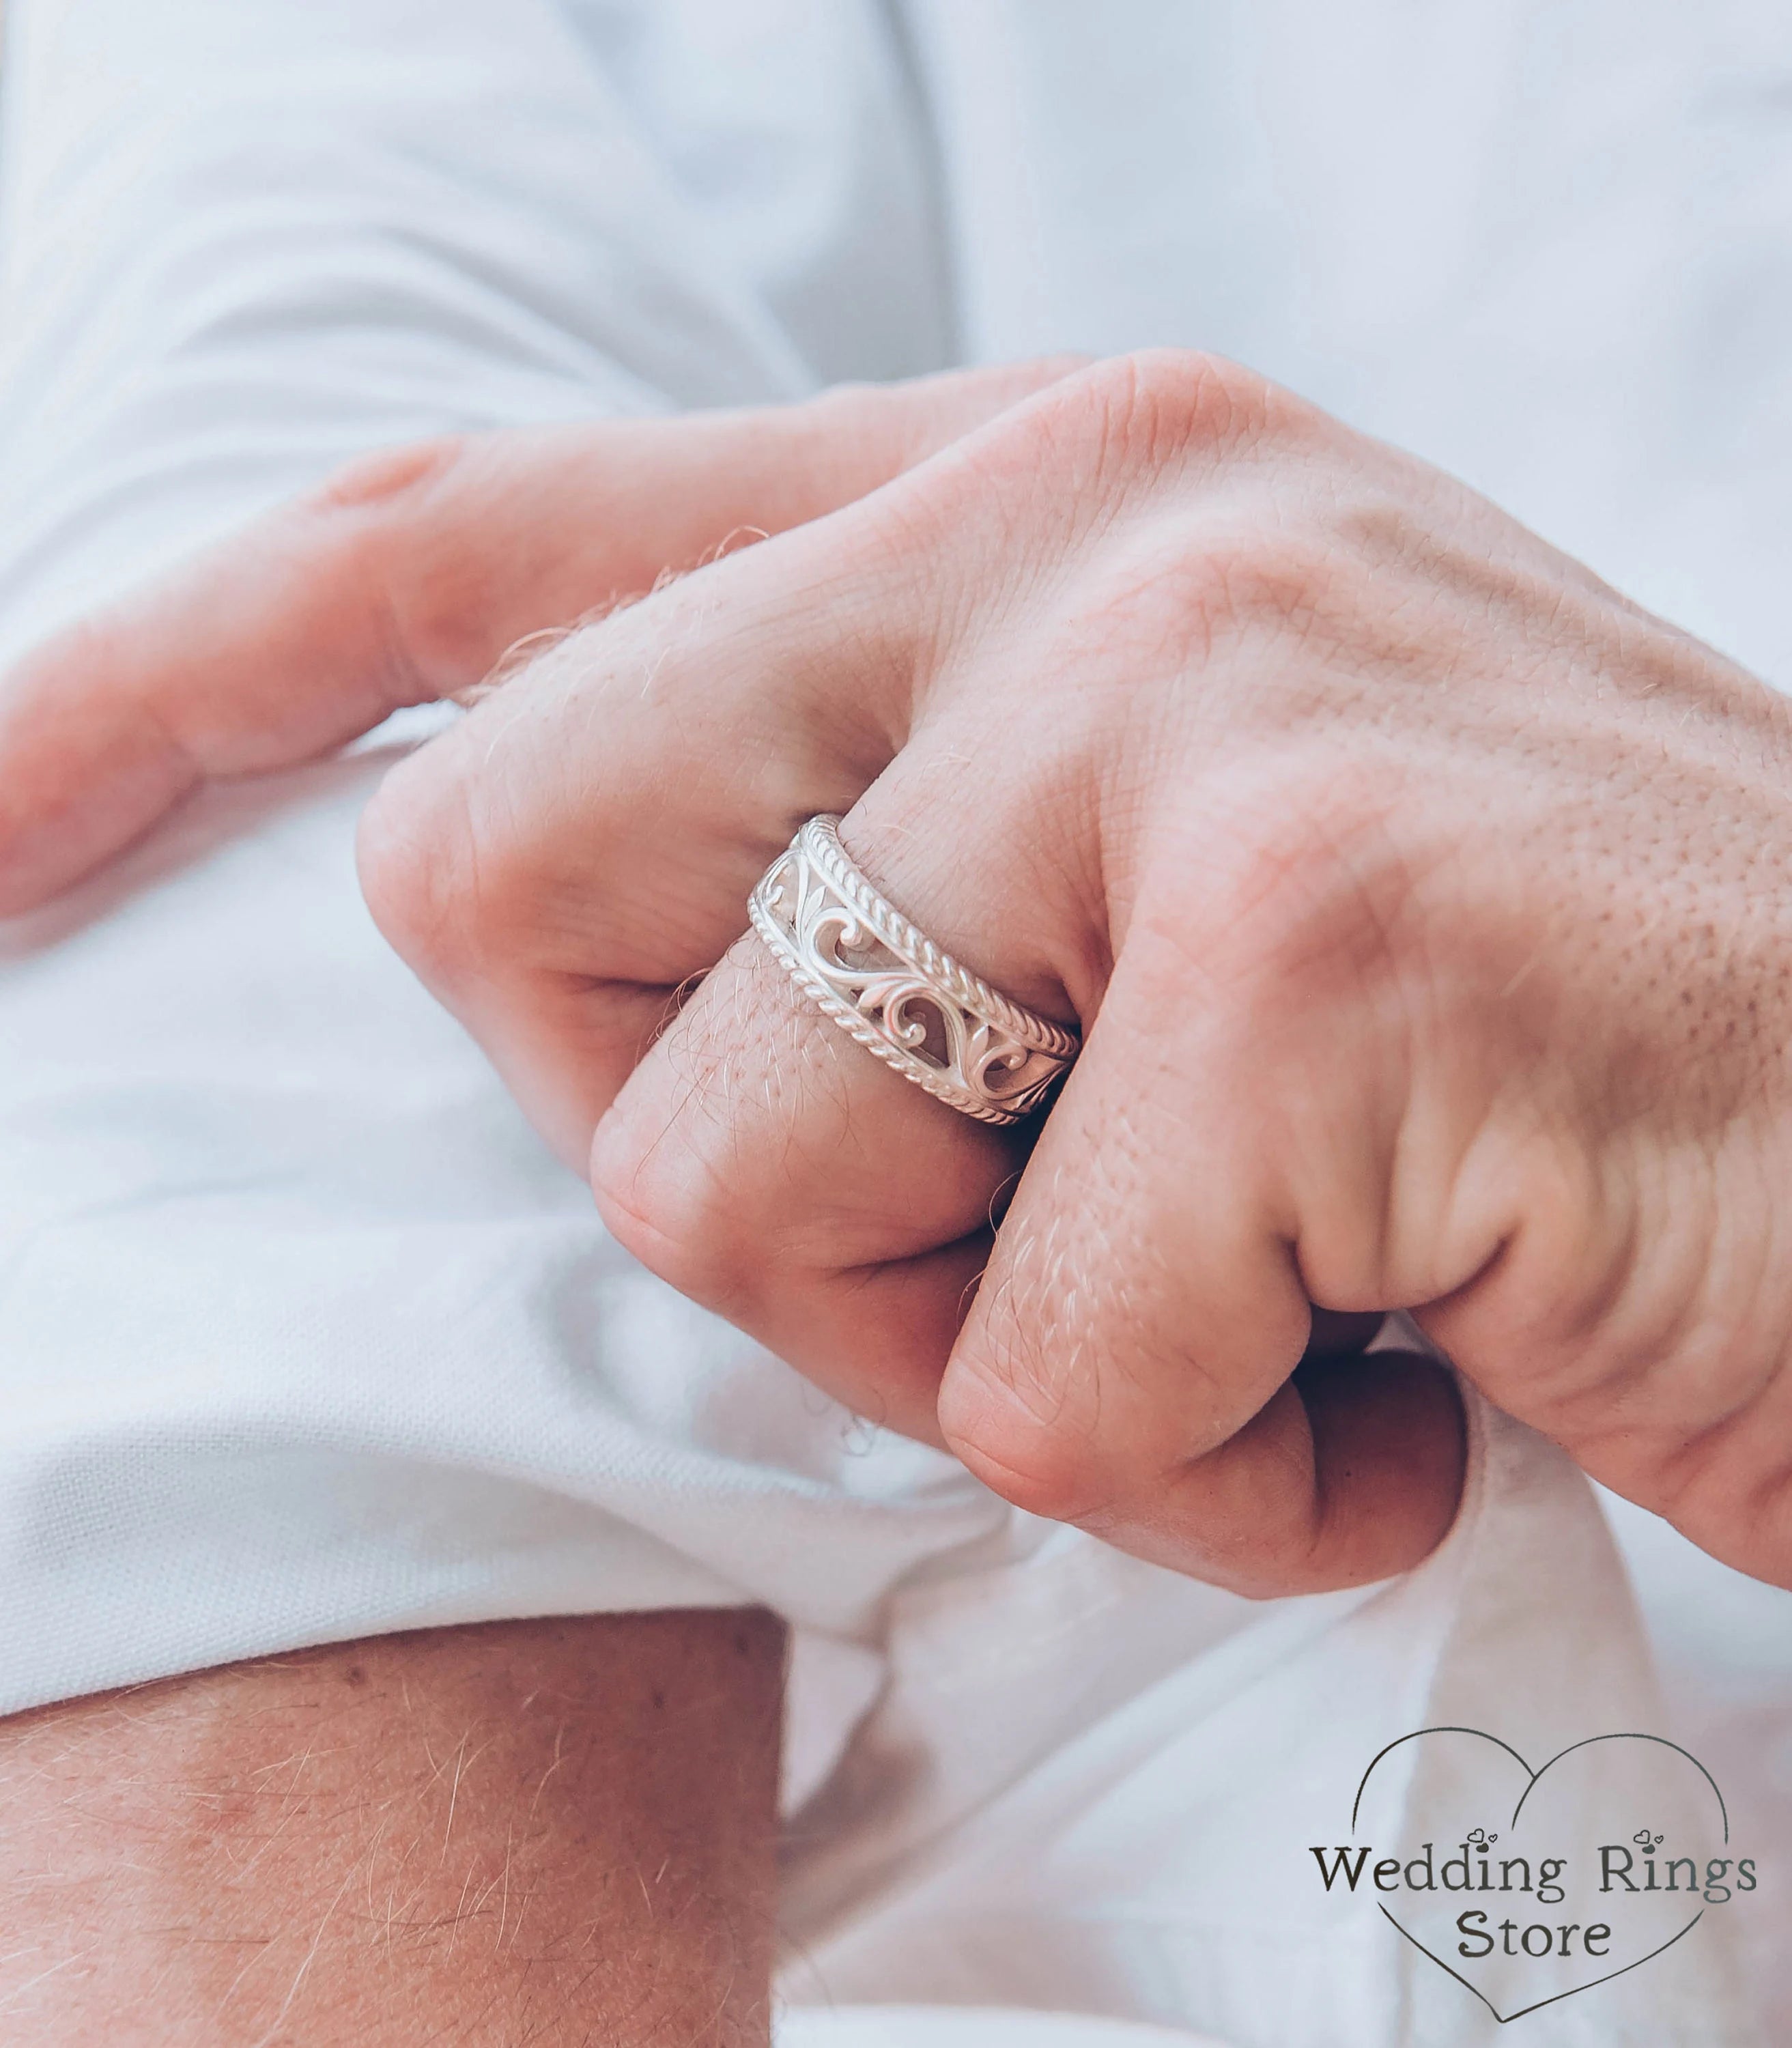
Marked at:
<point>404,580</point>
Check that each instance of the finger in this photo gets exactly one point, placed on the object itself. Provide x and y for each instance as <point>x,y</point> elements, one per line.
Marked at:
<point>1130,1361</point>
<point>561,863</point>
<point>765,1165</point>
<point>1135,1350</point>
<point>405,579</point>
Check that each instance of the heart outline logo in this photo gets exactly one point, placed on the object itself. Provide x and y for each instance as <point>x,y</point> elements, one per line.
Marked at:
<point>1533,1778</point>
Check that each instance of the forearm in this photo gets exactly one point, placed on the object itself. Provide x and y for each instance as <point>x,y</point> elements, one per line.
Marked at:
<point>553,1831</point>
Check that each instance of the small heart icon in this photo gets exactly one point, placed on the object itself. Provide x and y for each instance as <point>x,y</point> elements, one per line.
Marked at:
<point>1538,1884</point>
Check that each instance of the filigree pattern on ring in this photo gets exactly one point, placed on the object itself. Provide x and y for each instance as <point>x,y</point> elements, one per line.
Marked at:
<point>857,958</point>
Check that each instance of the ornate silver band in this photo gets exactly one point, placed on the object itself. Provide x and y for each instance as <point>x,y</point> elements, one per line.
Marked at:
<point>855,955</point>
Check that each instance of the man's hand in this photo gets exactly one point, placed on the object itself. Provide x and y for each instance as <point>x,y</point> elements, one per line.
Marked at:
<point>1428,905</point>
<point>403,580</point>
<point>1429,893</point>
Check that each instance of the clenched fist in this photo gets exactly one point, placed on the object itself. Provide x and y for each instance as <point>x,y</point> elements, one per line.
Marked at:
<point>1424,903</point>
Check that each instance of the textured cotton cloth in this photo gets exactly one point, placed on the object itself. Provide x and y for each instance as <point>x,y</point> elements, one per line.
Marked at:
<point>303,1336</point>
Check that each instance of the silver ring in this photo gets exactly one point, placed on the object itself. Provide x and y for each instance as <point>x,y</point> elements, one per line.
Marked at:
<point>855,955</point>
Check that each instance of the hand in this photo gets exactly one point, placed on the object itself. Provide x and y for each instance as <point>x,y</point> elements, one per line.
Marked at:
<point>404,580</point>
<point>1426,903</point>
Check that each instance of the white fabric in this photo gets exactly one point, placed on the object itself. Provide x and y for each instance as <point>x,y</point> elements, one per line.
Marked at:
<point>302,1335</point>
<point>961,2026</point>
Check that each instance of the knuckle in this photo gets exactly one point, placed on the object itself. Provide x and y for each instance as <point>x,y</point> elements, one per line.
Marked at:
<point>465,854</point>
<point>1345,895</point>
<point>1190,585</point>
<point>1021,1403</point>
<point>422,877</point>
<point>663,1206</point>
<point>719,1167</point>
<point>394,479</point>
<point>1190,392</point>
<point>1031,1467</point>
<point>396,521</point>
<point>1154,406</point>
<point>1008,1420</point>
<point>1309,894</point>
<point>1247,577</point>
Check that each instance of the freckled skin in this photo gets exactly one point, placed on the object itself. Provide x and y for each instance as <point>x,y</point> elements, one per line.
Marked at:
<point>550,1832</point>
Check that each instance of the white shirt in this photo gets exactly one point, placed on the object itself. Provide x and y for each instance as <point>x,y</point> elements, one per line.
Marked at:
<point>302,1335</point>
